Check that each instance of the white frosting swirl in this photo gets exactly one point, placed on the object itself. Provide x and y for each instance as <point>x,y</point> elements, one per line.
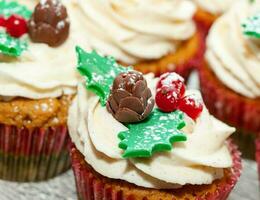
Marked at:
<point>134,30</point>
<point>43,71</point>
<point>234,57</point>
<point>215,6</point>
<point>199,160</point>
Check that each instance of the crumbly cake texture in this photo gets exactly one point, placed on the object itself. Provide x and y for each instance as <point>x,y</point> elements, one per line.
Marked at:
<point>29,113</point>
<point>33,138</point>
<point>227,105</point>
<point>93,186</point>
<point>188,56</point>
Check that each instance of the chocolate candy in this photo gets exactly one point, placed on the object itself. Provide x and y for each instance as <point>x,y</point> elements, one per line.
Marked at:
<point>49,23</point>
<point>130,99</point>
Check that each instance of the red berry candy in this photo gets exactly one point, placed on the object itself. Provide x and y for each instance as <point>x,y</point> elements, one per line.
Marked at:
<point>166,99</point>
<point>2,21</point>
<point>191,105</point>
<point>173,81</point>
<point>16,26</point>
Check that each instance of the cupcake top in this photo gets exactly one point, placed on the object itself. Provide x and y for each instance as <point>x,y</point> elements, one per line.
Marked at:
<point>232,54</point>
<point>133,30</point>
<point>215,7</point>
<point>43,62</point>
<point>169,147</point>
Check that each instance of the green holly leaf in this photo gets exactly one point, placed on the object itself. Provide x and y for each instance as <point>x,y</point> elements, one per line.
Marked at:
<point>8,8</point>
<point>155,134</point>
<point>99,72</point>
<point>11,46</point>
<point>252,26</point>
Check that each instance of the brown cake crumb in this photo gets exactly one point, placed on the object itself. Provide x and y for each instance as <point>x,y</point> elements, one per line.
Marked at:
<point>28,113</point>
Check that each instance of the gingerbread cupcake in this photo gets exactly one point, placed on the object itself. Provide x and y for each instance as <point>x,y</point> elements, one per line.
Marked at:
<point>37,84</point>
<point>153,36</point>
<point>230,80</point>
<point>139,137</point>
<point>209,10</point>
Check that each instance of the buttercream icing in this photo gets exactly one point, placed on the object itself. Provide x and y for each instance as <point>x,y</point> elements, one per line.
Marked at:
<point>215,6</point>
<point>134,30</point>
<point>233,56</point>
<point>43,71</point>
<point>199,160</point>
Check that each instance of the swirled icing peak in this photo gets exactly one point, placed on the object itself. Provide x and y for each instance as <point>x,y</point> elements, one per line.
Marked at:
<point>42,71</point>
<point>134,30</point>
<point>232,55</point>
<point>215,6</point>
<point>199,160</point>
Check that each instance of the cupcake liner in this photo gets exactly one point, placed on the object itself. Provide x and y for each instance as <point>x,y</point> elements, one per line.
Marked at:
<point>187,58</point>
<point>93,186</point>
<point>228,106</point>
<point>33,154</point>
<point>257,144</point>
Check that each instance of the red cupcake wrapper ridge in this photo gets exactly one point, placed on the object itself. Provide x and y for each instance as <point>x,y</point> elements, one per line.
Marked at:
<point>227,105</point>
<point>92,187</point>
<point>33,155</point>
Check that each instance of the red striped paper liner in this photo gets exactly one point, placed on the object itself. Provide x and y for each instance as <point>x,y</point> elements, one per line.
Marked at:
<point>228,106</point>
<point>92,186</point>
<point>33,154</point>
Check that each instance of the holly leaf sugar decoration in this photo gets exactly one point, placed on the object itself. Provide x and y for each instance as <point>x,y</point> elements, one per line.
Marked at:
<point>155,134</point>
<point>13,17</point>
<point>252,26</point>
<point>99,72</point>
<point>11,46</point>
<point>8,8</point>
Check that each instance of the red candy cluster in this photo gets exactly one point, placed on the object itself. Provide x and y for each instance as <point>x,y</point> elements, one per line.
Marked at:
<point>170,92</point>
<point>15,25</point>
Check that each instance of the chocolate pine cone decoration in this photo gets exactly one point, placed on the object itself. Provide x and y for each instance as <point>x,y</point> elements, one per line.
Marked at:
<point>49,23</point>
<point>130,98</point>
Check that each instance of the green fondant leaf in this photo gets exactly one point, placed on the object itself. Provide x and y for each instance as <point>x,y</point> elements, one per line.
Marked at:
<point>252,26</point>
<point>8,8</point>
<point>99,72</point>
<point>11,46</point>
<point>155,134</point>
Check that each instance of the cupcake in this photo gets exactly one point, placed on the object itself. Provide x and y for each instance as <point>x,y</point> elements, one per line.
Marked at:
<point>153,36</point>
<point>37,84</point>
<point>230,80</point>
<point>139,137</point>
<point>209,10</point>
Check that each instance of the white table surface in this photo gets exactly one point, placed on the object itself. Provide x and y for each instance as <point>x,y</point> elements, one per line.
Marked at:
<point>63,187</point>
